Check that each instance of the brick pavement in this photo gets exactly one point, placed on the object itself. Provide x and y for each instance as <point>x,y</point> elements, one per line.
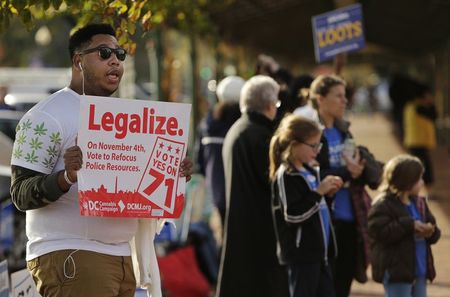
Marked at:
<point>374,131</point>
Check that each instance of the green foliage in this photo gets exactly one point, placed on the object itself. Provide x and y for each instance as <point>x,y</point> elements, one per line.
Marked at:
<point>124,15</point>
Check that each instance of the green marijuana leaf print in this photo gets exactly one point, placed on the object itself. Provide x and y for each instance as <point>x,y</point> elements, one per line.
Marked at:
<point>31,158</point>
<point>35,143</point>
<point>48,163</point>
<point>21,139</point>
<point>26,125</point>
<point>40,130</point>
<point>55,138</point>
<point>52,151</point>
<point>17,153</point>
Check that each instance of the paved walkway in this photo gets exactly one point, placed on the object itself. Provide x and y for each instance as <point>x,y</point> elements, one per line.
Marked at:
<point>375,132</point>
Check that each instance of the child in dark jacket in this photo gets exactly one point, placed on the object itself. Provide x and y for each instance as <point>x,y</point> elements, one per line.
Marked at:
<point>402,228</point>
<point>305,237</point>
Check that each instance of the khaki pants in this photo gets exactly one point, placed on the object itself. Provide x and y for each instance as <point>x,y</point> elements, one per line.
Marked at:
<point>82,274</point>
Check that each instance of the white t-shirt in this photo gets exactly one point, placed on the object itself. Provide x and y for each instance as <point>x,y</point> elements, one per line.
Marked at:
<point>43,135</point>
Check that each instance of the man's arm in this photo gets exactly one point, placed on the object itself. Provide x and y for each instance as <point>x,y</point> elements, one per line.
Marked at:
<point>31,189</point>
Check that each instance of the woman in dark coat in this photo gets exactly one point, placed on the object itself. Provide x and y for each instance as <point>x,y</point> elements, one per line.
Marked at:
<point>249,266</point>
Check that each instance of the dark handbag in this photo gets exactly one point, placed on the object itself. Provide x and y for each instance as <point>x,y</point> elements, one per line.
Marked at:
<point>373,169</point>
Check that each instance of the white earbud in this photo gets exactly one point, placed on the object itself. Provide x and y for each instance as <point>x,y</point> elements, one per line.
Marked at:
<point>82,76</point>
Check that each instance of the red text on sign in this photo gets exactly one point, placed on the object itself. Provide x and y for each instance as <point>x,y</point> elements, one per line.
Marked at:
<point>159,178</point>
<point>122,123</point>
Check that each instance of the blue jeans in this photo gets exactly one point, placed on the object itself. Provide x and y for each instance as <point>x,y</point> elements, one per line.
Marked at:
<point>416,289</point>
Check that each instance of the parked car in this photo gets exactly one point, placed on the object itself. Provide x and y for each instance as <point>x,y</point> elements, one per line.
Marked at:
<point>24,101</point>
<point>8,122</point>
<point>12,221</point>
<point>12,225</point>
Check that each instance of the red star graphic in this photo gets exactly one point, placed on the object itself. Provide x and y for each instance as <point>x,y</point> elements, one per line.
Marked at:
<point>177,150</point>
<point>169,148</point>
<point>161,145</point>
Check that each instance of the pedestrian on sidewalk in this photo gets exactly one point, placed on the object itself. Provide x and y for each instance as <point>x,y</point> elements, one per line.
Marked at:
<point>305,236</point>
<point>69,254</point>
<point>340,156</point>
<point>212,131</point>
<point>402,229</point>
<point>267,65</point>
<point>419,116</point>
<point>249,265</point>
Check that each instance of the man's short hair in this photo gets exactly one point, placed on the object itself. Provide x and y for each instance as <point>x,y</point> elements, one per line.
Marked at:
<point>82,37</point>
<point>257,93</point>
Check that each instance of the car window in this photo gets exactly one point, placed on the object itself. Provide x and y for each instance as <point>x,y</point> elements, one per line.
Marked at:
<point>6,147</point>
<point>24,101</point>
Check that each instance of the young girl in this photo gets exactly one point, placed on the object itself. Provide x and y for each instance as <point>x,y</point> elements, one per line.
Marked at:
<point>305,238</point>
<point>402,229</point>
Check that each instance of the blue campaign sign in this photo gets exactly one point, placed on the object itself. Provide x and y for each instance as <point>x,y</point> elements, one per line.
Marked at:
<point>338,31</point>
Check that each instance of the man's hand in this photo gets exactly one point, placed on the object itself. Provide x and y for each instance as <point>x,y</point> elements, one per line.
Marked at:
<point>186,168</point>
<point>73,160</point>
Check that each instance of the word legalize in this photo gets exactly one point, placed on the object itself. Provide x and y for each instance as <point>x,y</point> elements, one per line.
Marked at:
<point>146,123</point>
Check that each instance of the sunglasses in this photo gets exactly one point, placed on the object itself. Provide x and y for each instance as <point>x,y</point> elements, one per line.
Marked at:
<point>105,52</point>
<point>316,147</point>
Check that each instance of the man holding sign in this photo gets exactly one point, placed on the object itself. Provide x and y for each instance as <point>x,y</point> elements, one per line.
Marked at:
<point>69,254</point>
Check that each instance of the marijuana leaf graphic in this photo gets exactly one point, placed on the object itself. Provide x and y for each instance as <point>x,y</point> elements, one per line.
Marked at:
<point>26,125</point>
<point>35,143</point>
<point>31,158</point>
<point>48,163</point>
<point>21,139</point>
<point>40,130</point>
<point>55,138</point>
<point>17,153</point>
<point>52,151</point>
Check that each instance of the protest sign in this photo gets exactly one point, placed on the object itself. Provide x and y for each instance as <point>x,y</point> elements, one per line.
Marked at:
<point>132,151</point>
<point>338,31</point>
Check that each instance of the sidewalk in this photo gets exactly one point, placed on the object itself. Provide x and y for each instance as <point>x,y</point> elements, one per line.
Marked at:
<point>374,131</point>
